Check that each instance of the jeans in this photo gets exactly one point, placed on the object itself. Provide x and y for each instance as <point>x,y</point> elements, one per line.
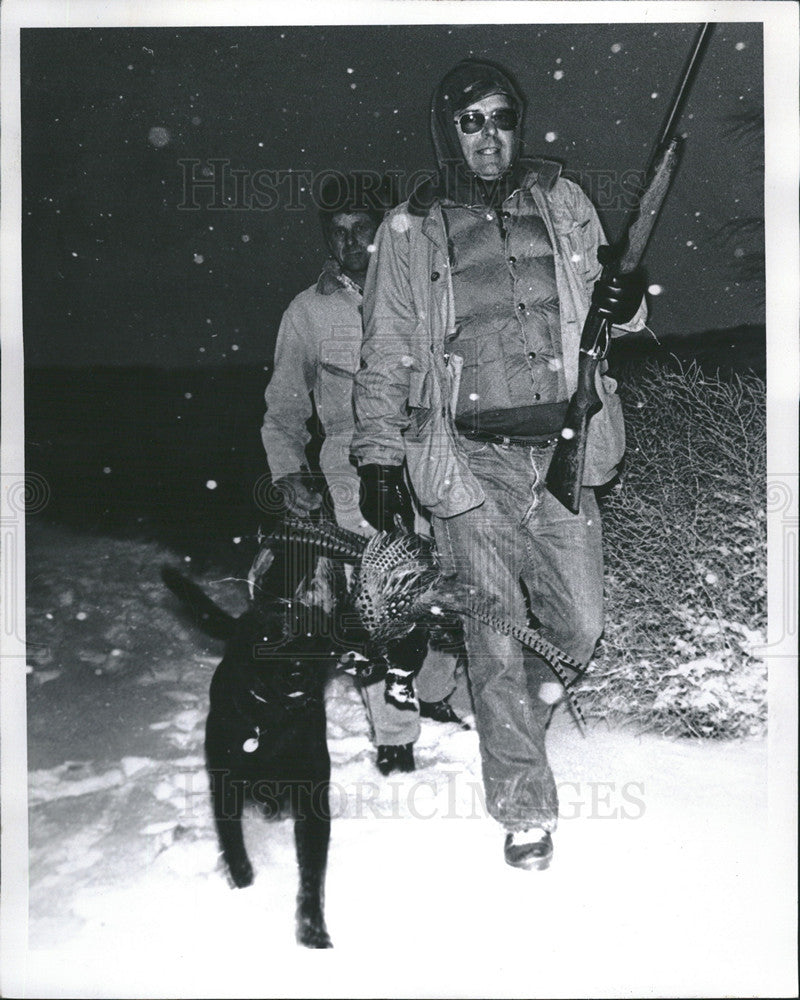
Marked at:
<point>530,554</point>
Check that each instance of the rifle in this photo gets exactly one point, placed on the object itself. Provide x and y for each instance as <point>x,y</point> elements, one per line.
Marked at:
<point>565,475</point>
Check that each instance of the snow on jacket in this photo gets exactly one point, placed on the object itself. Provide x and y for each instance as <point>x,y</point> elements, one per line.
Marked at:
<point>404,388</point>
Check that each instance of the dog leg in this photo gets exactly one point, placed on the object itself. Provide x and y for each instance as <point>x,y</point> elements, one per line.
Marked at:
<point>228,800</point>
<point>312,828</point>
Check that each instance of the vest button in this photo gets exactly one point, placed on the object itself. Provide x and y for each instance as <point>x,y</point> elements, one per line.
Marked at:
<point>536,397</point>
<point>506,215</point>
<point>531,355</point>
<point>435,276</point>
<point>512,260</point>
<point>521,307</point>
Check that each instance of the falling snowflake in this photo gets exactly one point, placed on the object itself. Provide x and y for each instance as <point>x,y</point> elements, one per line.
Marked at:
<point>158,136</point>
<point>616,47</point>
<point>740,45</point>
<point>211,484</point>
<point>198,258</point>
<point>550,137</point>
<point>559,74</point>
<point>655,289</point>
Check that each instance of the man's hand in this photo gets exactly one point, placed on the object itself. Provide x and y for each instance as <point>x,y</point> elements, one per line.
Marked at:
<point>299,496</point>
<point>618,297</point>
<point>384,494</point>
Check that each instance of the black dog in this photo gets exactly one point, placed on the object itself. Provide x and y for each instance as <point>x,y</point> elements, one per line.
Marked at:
<point>266,730</point>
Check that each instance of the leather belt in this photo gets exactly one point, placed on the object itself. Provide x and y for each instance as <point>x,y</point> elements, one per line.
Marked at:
<point>509,441</point>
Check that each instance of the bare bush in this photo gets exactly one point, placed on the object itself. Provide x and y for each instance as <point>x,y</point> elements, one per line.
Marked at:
<point>685,539</point>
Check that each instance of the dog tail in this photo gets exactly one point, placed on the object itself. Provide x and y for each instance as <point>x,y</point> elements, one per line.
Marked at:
<point>208,616</point>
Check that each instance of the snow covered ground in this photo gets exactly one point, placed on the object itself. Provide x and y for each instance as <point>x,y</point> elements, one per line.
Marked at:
<point>663,881</point>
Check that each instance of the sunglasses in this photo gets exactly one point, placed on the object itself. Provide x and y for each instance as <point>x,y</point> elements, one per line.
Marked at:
<point>473,121</point>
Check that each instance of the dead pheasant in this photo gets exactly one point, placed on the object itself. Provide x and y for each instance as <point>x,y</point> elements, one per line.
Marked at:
<point>398,584</point>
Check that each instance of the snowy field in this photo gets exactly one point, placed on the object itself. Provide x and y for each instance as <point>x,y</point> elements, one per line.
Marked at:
<point>663,882</point>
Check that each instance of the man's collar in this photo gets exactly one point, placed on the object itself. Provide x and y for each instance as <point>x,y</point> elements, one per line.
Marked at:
<point>332,279</point>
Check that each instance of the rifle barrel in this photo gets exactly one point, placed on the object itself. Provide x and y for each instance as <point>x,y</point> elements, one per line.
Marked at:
<point>686,81</point>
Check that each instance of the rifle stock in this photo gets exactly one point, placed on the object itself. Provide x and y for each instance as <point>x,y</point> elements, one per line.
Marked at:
<point>565,474</point>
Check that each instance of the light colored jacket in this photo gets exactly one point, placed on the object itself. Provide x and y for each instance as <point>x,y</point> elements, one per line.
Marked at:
<point>404,388</point>
<point>316,356</point>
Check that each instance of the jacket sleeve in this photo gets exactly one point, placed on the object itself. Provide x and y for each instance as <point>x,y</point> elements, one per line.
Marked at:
<point>284,432</point>
<point>382,383</point>
<point>594,237</point>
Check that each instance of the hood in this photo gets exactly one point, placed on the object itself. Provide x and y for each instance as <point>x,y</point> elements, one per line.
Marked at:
<point>470,81</point>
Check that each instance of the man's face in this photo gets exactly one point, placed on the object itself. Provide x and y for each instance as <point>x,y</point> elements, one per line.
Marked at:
<point>490,151</point>
<point>349,237</point>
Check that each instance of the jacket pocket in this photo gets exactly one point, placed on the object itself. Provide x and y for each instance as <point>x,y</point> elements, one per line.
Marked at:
<point>572,235</point>
<point>605,443</point>
<point>419,389</point>
<point>339,361</point>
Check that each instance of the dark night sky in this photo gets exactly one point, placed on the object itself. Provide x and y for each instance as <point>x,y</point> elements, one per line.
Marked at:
<point>116,273</point>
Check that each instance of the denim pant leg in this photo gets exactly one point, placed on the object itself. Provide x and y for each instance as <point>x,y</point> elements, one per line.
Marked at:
<point>486,548</point>
<point>564,571</point>
<point>437,677</point>
<point>393,726</point>
<point>390,726</point>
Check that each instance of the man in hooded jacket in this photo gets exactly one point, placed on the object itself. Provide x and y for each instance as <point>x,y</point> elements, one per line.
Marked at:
<point>474,304</point>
